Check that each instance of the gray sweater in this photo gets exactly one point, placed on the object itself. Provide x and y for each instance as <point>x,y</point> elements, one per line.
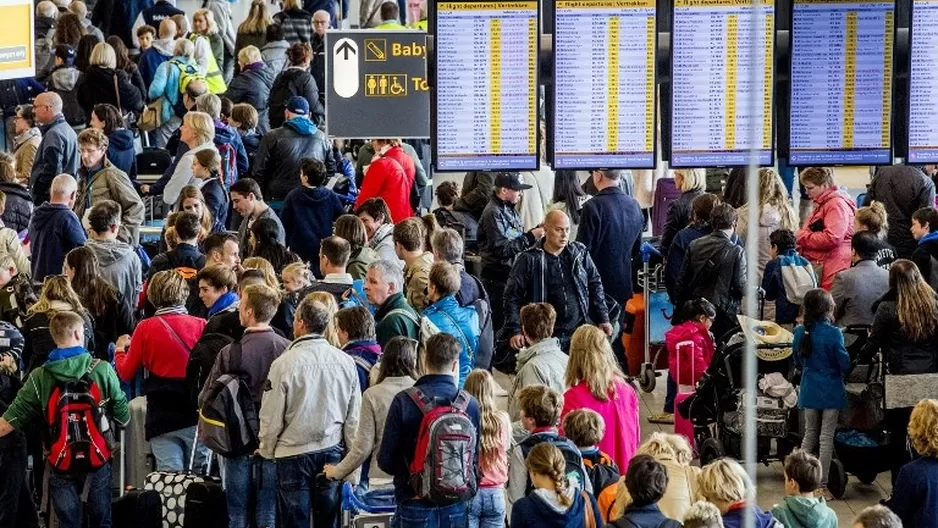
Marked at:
<point>540,364</point>
<point>375,404</point>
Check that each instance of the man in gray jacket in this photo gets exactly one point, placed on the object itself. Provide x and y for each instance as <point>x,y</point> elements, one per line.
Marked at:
<point>117,261</point>
<point>856,289</point>
<point>58,151</point>
<point>316,386</point>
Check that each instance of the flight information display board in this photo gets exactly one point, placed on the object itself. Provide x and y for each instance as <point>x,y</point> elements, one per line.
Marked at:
<point>923,76</point>
<point>711,68</point>
<point>486,94</point>
<point>841,82</point>
<point>604,84</point>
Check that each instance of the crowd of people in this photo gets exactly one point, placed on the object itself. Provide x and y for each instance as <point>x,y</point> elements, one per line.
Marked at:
<point>359,328</point>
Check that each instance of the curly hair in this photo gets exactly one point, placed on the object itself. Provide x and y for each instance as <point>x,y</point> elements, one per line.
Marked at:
<point>923,428</point>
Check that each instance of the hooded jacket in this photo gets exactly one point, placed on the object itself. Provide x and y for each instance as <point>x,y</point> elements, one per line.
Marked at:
<point>461,322</point>
<point>542,363</point>
<point>121,154</point>
<point>308,214</point>
<point>762,519</point>
<point>96,86</point>
<point>166,84</point>
<point>902,190</point>
<point>120,266</point>
<point>922,256</point>
<point>64,80</point>
<point>160,52</point>
<point>388,179</point>
<point>382,243</point>
<point>805,512</point>
<point>649,516</point>
<point>31,402</point>
<point>542,509</point>
<point>902,355</point>
<point>275,55</point>
<point>715,269</point>
<point>228,135</point>
<point>19,207</point>
<point>110,183</point>
<point>396,318</point>
<point>828,243</point>
<point>693,361</point>
<point>252,86</point>
<point>53,231</point>
<point>25,146</point>
<point>277,163</point>
<point>359,261</point>
<point>57,154</point>
<point>528,279</point>
<point>291,82</point>
<point>366,353</point>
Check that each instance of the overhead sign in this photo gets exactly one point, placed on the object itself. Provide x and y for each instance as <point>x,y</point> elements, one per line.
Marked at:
<point>377,84</point>
<point>17,47</point>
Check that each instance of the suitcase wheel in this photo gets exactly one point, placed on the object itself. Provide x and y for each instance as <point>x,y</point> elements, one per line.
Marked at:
<point>647,379</point>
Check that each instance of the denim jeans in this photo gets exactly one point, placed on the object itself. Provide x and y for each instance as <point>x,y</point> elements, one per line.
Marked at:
<point>65,492</point>
<point>173,450</point>
<point>411,514</point>
<point>304,488</point>
<point>819,426</point>
<point>251,485</point>
<point>670,395</point>
<point>487,508</point>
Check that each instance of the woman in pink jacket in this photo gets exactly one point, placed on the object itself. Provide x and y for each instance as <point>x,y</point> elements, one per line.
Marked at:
<point>597,383</point>
<point>824,239</point>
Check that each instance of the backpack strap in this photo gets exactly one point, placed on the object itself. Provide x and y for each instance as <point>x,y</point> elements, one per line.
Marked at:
<point>175,335</point>
<point>423,402</point>
<point>463,334</point>
<point>405,313</point>
<point>589,516</point>
<point>363,363</point>
<point>461,403</point>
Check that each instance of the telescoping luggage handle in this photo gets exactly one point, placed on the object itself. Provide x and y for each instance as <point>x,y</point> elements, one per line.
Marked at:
<point>679,346</point>
<point>195,446</point>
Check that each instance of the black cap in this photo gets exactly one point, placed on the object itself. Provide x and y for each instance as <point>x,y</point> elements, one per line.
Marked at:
<point>65,52</point>
<point>511,180</point>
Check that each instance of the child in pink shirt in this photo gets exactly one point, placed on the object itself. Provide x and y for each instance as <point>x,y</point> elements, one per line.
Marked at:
<point>487,508</point>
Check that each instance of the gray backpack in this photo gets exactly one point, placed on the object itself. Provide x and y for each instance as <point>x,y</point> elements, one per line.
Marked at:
<point>228,419</point>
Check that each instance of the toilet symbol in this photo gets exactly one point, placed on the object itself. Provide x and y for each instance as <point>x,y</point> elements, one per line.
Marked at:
<point>372,84</point>
<point>396,87</point>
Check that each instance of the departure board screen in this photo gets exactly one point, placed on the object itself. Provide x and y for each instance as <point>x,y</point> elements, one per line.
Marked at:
<point>604,84</point>
<point>486,93</point>
<point>841,82</point>
<point>711,71</point>
<point>923,90</point>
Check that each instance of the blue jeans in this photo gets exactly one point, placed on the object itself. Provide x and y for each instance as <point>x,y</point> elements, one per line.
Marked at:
<point>251,481</point>
<point>670,395</point>
<point>411,514</point>
<point>487,508</point>
<point>65,492</point>
<point>304,489</point>
<point>173,450</point>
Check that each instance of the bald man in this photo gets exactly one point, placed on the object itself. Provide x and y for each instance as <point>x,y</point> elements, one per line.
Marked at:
<point>58,150</point>
<point>561,272</point>
<point>54,229</point>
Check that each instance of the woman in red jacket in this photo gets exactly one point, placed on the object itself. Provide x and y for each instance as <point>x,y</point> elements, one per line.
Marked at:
<point>825,237</point>
<point>390,176</point>
<point>161,344</point>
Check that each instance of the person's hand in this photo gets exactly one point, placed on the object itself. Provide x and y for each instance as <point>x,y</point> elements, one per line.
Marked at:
<point>538,232</point>
<point>144,189</point>
<point>606,327</point>
<point>122,342</point>
<point>517,341</point>
<point>329,470</point>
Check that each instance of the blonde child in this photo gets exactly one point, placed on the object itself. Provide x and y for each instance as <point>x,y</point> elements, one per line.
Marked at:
<point>726,485</point>
<point>296,276</point>
<point>702,515</point>
<point>487,509</point>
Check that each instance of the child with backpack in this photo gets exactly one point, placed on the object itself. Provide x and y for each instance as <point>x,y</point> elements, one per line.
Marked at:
<point>585,428</point>
<point>540,408</point>
<point>554,501</point>
<point>802,508</point>
<point>823,360</point>
<point>787,277</point>
<point>73,388</point>
<point>646,481</point>
<point>487,509</point>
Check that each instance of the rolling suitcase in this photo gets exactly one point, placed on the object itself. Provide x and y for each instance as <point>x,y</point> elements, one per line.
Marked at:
<point>174,488</point>
<point>134,507</point>
<point>683,425</point>
<point>138,461</point>
<point>665,193</point>
<point>153,161</point>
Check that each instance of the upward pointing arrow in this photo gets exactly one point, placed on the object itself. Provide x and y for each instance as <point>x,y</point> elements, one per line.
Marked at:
<point>345,48</point>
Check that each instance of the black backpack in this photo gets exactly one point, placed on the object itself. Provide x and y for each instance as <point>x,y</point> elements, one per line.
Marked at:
<point>201,360</point>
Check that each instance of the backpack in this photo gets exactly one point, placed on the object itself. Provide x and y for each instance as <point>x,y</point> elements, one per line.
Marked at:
<point>576,474</point>
<point>194,305</point>
<point>187,73</point>
<point>443,470</point>
<point>77,426</point>
<point>604,476</point>
<point>71,110</point>
<point>625,522</point>
<point>798,278</point>
<point>228,419</point>
<point>486,347</point>
<point>201,360</point>
<point>229,164</point>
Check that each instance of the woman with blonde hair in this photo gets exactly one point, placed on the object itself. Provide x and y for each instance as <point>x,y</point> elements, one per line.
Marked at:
<point>553,502</point>
<point>905,330</point>
<point>596,382</point>
<point>57,296</point>
<point>209,49</point>
<point>725,484</point>
<point>351,228</point>
<point>203,25</point>
<point>263,265</point>
<point>675,454</point>
<point>774,213</point>
<point>824,238</point>
<point>192,201</point>
<point>692,183</point>
<point>104,82</point>
<point>487,508</point>
<point>913,495</point>
<point>873,218</point>
<point>253,31</point>
<point>332,307</point>
<point>198,133</point>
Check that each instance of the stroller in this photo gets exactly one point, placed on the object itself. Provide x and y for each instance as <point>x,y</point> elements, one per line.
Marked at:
<point>861,445</point>
<point>716,409</point>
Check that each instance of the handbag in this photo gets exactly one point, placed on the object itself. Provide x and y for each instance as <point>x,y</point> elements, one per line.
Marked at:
<point>128,118</point>
<point>152,116</point>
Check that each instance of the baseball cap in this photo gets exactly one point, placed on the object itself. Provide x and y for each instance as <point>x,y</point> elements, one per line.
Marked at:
<point>511,180</point>
<point>298,105</point>
<point>65,52</point>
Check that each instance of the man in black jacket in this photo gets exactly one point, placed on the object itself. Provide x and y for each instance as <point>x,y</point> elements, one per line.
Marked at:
<point>477,188</point>
<point>715,269</point>
<point>502,238</point>
<point>561,273</point>
<point>903,190</point>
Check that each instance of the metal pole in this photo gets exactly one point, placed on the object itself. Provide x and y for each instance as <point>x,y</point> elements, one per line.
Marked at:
<point>752,246</point>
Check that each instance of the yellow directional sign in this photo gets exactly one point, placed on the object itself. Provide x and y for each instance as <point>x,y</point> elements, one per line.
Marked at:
<point>376,50</point>
<point>385,85</point>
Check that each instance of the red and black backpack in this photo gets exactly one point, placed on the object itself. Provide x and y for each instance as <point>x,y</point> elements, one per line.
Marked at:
<point>76,442</point>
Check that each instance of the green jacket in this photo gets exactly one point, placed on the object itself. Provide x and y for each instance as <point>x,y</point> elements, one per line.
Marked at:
<point>32,400</point>
<point>805,512</point>
<point>396,323</point>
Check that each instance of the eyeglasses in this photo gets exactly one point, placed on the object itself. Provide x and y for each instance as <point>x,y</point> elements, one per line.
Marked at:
<point>320,22</point>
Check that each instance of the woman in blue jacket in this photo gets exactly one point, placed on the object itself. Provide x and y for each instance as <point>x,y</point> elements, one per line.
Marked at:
<point>820,354</point>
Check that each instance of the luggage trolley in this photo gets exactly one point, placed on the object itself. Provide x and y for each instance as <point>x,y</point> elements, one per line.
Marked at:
<point>374,510</point>
<point>658,313</point>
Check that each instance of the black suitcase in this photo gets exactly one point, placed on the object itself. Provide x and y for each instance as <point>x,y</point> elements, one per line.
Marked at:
<point>205,506</point>
<point>153,160</point>
<point>137,509</point>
